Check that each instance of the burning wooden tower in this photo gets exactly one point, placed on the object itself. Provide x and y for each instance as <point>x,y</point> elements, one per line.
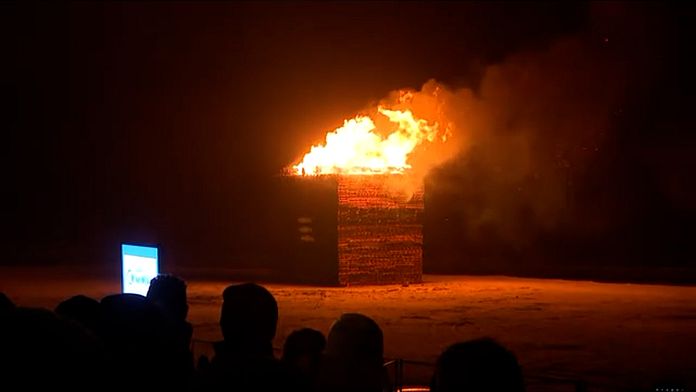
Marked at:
<point>351,229</point>
<point>354,223</point>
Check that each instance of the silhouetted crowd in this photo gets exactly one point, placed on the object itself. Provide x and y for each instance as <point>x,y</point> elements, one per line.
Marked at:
<point>134,342</point>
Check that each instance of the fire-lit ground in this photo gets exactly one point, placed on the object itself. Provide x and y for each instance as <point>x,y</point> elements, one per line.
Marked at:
<point>612,336</point>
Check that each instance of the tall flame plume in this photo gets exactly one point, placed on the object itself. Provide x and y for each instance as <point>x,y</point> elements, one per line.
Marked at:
<point>358,147</point>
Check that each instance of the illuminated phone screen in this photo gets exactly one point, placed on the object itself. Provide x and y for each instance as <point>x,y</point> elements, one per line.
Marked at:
<point>139,264</point>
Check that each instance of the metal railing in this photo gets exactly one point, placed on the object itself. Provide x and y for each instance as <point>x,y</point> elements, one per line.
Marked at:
<point>398,384</point>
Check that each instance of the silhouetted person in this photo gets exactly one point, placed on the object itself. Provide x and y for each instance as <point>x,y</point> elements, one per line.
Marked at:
<point>5,304</point>
<point>244,360</point>
<point>354,356</point>
<point>477,365</point>
<point>41,351</point>
<point>83,309</point>
<point>169,293</point>
<point>302,353</point>
<point>141,343</point>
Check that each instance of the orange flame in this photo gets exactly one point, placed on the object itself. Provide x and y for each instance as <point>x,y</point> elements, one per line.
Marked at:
<point>355,148</point>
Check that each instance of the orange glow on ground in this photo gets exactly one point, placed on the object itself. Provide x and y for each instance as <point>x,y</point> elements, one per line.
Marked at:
<point>613,336</point>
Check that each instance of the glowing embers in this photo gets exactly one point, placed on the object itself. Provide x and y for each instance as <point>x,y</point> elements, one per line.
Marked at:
<point>380,234</point>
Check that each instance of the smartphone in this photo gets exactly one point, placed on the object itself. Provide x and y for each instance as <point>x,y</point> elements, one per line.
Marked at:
<point>139,264</point>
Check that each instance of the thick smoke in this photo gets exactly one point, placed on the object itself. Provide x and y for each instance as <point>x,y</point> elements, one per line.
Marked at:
<point>575,154</point>
<point>537,121</point>
<point>509,176</point>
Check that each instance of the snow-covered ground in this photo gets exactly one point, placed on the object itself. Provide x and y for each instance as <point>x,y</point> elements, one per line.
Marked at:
<point>612,336</point>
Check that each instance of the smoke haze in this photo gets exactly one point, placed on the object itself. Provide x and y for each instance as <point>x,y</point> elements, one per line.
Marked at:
<point>550,169</point>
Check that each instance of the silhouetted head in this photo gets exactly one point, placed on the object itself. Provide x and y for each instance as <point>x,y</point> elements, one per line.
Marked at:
<point>82,309</point>
<point>303,349</point>
<point>249,314</point>
<point>354,356</point>
<point>477,365</point>
<point>356,337</point>
<point>139,339</point>
<point>131,316</point>
<point>5,303</point>
<point>169,293</point>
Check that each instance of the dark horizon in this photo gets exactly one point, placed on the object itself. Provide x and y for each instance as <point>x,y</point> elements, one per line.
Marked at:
<point>167,122</point>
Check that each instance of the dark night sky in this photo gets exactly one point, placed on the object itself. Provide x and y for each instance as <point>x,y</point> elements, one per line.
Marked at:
<point>163,122</point>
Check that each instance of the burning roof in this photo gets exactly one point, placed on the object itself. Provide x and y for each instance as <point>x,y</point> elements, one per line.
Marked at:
<point>373,144</point>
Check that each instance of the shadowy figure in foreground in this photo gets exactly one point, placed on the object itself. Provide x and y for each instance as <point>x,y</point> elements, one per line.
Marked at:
<point>477,365</point>
<point>141,344</point>
<point>354,356</point>
<point>5,304</point>
<point>168,292</point>
<point>41,351</point>
<point>82,309</point>
<point>244,360</point>
<point>302,353</point>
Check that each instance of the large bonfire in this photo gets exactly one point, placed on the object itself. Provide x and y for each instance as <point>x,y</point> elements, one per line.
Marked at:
<point>362,147</point>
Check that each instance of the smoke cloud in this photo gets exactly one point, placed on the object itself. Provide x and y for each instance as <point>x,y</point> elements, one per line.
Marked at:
<point>538,120</point>
<point>516,144</point>
<point>520,145</point>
